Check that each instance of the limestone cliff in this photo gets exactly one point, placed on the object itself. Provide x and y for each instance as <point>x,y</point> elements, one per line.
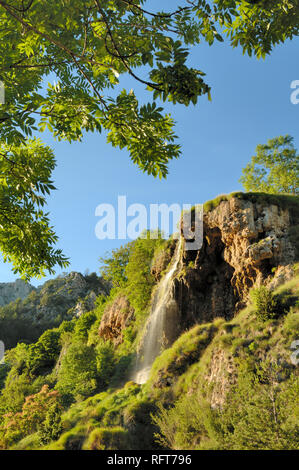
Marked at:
<point>65,296</point>
<point>10,291</point>
<point>116,318</point>
<point>248,240</point>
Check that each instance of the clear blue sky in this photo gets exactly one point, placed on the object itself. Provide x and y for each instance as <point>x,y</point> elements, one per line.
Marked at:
<point>250,104</point>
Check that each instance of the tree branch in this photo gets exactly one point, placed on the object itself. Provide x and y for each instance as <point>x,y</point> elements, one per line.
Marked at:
<point>118,55</point>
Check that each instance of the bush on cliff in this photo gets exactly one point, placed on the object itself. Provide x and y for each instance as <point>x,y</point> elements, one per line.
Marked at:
<point>267,305</point>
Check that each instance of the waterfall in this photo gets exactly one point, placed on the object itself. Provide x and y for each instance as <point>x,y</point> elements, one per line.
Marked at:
<point>162,307</point>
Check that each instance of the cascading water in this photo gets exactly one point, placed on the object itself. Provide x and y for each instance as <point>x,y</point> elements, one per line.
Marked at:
<point>155,328</point>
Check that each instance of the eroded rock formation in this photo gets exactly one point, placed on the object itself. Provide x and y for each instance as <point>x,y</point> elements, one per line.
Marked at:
<point>244,243</point>
<point>116,318</point>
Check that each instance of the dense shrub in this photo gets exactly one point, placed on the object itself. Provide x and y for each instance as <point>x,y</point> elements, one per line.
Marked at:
<point>180,426</point>
<point>267,305</point>
<point>43,354</point>
<point>18,425</point>
<point>17,387</point>
<point>140,281</point>
<point>67,326</point>
<point>51,428</point>
<point>114,265</point>
<point>83,325</point>
<point>259,413</point>
<point>123,369</point>
<point>105,362</point>
<point>129,267</point>
<point>291,324</point>
<point>77,376</point>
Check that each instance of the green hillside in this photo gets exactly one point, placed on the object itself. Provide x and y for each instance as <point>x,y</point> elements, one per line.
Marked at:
<point>220,385</point>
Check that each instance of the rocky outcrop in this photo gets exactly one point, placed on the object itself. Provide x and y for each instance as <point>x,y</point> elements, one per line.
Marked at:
<point>65,297</point>
<point>246,243</point>
<point>10,291</point>
<point>45,307</point>
<point>222,374</point>
<point>116,318</point>
<point>85,305</point>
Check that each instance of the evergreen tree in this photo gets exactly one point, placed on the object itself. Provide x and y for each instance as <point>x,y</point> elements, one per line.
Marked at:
<point>51,428</point>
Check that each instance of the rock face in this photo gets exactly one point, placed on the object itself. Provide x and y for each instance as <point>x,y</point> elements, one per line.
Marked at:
<point>222,375</point>
<point>115,319</point>
<point>10,291</point>
<point>65,296</point>
<point>244,242</point>
<point>47,306</point>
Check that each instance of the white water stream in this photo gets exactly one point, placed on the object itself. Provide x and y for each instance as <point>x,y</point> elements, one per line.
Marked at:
<point>155,327</point>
